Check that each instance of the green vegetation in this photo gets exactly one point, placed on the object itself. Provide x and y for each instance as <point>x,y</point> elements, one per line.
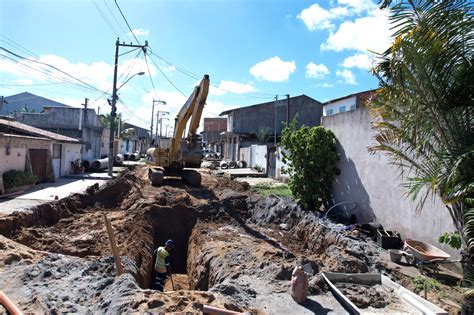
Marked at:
<point>431,284</point>
<point>14,178</point>
<point>425,108</point>
<point>278,190</point>
<point>452,239</point>
<point>311,160</point>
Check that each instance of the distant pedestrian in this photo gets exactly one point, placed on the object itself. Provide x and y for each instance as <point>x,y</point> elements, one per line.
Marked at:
<point>162,264</point>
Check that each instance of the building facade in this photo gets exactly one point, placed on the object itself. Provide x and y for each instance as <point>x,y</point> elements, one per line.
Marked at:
<point>262,123</point>
<point>48,155</point>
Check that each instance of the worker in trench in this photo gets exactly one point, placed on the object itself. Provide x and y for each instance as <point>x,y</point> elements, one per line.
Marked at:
<point>163,265</point>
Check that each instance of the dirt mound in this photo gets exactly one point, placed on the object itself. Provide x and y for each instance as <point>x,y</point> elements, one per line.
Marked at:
<point>236,245</point>
<point>48,214</point>
<point>12,252</point>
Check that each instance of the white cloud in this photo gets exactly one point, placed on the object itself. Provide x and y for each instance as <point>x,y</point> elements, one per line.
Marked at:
<point>315,71</point>
<point>348,76</point>
<point>139,32</point>
<point>231,87</point>
<point>359,6</point>
<point>315,17</point>
<point>362,61</point>
<point>366,33</point>
<point>325,85</point>
<point>273,69</point>
<point>98,74</point>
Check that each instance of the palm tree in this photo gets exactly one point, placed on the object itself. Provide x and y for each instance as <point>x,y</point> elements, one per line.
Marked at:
<point>425,107</point>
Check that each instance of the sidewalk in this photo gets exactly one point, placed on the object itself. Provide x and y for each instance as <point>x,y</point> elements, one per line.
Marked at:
<point>47,192</point>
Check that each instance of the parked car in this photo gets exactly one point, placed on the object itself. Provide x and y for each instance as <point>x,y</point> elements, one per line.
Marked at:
<point>210,154</point>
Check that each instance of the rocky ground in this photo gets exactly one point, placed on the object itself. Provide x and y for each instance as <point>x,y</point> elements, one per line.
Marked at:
<point>234,249</point>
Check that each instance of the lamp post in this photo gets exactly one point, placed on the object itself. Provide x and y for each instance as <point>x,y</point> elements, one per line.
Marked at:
<point>113,112</point>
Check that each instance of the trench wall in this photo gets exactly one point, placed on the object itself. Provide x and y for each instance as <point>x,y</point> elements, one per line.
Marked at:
<point>376,185</point>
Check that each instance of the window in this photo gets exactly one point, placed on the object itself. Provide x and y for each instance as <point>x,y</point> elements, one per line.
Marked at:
<point>342,109</point>
<point>353,107</point>
<point>329,112</point>
<point>56,151</point>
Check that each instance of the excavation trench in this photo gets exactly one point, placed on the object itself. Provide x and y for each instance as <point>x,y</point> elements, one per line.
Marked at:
<point>174,223</point>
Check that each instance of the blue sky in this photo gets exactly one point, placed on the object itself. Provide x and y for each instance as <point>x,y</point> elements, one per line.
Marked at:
<point>252,50</point>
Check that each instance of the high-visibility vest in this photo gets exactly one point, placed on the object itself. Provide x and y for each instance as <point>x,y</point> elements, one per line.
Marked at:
<point>161,254</point>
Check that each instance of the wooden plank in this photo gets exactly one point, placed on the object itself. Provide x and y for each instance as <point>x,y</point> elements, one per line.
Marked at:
<point>113,245</point>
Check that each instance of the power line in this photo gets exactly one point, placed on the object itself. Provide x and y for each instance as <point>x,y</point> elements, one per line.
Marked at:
<point>166,77</point>
<point>51,66</point>
<point>149,74</point>
<point>131,31</point>
<point>116,21</point>
<point>14,44</point>
<point>256,95</point>
<point>104,17</point>
<point>46,74</point>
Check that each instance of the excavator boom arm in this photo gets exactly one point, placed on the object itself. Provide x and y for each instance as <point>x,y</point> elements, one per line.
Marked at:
<point>191,109</point>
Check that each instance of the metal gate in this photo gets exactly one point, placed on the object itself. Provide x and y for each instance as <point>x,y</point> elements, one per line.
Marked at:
<point>38,159</point>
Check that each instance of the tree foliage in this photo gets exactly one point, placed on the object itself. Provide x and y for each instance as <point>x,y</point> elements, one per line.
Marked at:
<point>426,105</point>
<point>311,157</point>
<point>125,133</point>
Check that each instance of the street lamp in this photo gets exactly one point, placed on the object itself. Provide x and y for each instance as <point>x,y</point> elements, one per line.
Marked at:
<point>113,113</point>
<point>139,73</point>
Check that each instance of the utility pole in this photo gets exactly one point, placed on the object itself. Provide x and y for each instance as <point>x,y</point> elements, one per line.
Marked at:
<point>158,113</point>
<point>113,111</point>
<point>275,123</point>
<point>86,102</point>
<point>153,117</point>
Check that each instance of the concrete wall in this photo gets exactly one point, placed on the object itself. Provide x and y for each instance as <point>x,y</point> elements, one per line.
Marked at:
<point>104,144</point>
<point>249,120</point>
<point>69,153</point>
<point>18,146</point>
<point>376,185</point>
<point>258,156</point>
<point>72,122</point>
<point>14,161</point>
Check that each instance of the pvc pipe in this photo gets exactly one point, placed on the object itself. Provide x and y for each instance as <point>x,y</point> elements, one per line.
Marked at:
<point>207,309</point>
<point>8,304</point>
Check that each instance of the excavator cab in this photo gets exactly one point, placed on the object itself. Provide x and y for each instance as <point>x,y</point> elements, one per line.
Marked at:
<point>172,156</point>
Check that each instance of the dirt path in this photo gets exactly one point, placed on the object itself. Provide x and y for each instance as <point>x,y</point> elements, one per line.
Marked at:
<point>231,250</point>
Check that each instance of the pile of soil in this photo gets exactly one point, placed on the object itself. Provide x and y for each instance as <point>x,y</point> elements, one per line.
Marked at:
<point>234,249</point>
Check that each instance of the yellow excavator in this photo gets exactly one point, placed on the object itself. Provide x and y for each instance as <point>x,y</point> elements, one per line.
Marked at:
<point>172,156</point>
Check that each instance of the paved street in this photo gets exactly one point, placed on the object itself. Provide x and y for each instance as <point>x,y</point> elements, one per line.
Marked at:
<point>43,193</point>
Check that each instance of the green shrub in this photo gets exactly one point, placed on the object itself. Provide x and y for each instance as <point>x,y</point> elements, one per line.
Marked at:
<point>311,157</point>
<point>431,284</point>
<point>453,239</point>
<point>14,178</point>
